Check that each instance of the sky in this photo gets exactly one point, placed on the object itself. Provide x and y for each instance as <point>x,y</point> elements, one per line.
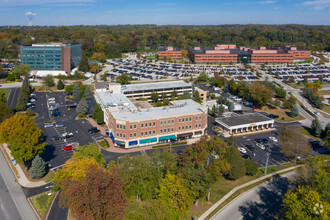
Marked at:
<point>160,12</point>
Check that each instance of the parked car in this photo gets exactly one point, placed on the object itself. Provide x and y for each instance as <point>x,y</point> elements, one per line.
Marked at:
<point>51,99</point>
<point>250,147</point>
<point>55,113</point>
<point>59,125</point>
<point>93,130</point>
<point>68,147</point>
<point>107,131</point>
<point>48,125</point>
<point>56,138</point>
<point>51,102</point>
<point>67,135</point>
<point>246,156</point>
<point>273,138</point>
<point>242,150</point>
<point>261,146</point>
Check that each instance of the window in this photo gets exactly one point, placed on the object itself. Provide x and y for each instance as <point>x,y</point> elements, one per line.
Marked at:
<point>117,134</point>
<point>182,119</point>
<point>161,131</point>
<point>189,126</point>
<point>196,125</point>
<point>161,122</point>
<point>172,129</point>
<point>146,125</point>
<point>117,126</point>
<point>179,128</point>
<point>124,127</point>
<point>134,126</point>
<point>172,121</point>
<point>186,127</point>
<point>130,127</point>
<point>123,135</point>
<point>134,134</point>
<point>186,119</point>
<point>196,118</point>
<point>200,125</point>
<point>164,131</point>
<point>149,132</point>
<point>190,119</point>
<point>179,120</point>
<point>169,130</point>
<point>153,132</point>
<point>130,135</point>
<point>145,133</point>
<point>120,135</point>
<point>165,122</point>
<point>154,124</point>
<point>150,124</point>
<point>120,126</point>
<point>200,117</point>
<point>142,125</point>
<point>169,122</point>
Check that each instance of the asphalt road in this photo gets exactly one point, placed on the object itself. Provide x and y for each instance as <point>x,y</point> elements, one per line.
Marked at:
<point>261,202</point>
<point>12,98</point>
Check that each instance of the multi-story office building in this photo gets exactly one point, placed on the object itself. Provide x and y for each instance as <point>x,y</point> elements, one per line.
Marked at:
<point>134,123</point>
<point>297,53</point>
<point>51,56</point>
<point>169,52</point>
<point>226,54</point>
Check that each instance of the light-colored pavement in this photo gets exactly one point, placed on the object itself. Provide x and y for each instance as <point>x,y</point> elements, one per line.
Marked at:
<point>261,202</point>
<point>21,204</point>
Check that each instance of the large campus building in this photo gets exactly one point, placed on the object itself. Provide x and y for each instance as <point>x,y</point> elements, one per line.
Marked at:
<point>135,123</point>
<point>225,54</point>
<point>51,56</point>
<point>169,53</point>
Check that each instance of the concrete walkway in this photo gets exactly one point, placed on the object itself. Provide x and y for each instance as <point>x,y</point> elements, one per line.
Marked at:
<point>217,204</point>
<point>16,191</point>
<point>20,177</point>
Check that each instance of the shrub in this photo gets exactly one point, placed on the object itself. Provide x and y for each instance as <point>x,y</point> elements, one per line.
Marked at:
<point>30,112</point>
<point>251,167</point>
<point>81,115</point>
<point>104,143</point>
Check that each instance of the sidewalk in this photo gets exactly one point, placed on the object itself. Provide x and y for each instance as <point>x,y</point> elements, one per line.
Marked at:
<point>21,178</point>
<point>217,204</point>
<point>16,191</point>
<point>114,149</point>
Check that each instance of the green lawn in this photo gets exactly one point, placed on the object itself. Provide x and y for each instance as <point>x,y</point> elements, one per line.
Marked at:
<point>5,91</point>
<point>42,202</point>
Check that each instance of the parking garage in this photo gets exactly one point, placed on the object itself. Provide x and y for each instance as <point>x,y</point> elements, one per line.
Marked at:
<point>246,123</point>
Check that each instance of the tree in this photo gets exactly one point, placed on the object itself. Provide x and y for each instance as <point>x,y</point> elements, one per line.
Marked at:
<point>196,97</point>
<point>175,194</point>
<point>260,94</point>
<point>5,111</point>
<point>60,84</point>
<point>2,72</point>
<point>88,92</point>
<point>83,65</point>
<point>154,97</point>
<point>49,81</point>
<point>316,127</point>
<point>124,79</point>
<point>82,107</point>
<point>294,111</point>
<point>23,137</point>
<point>87,151</point>
<point>104,77</point>
<point>203,77</point>
<point>305,203</point>
<point>38,168</point>
<point>23,95</point>
<point>221,109</point>
<point>293,144</point>
<point>22,70</point>
<point>231,107</point>
<point>251,167</point>
<point>98,114</point>
<point>76,93</point>
<point>290,102</point>
<point>234,158</point>
<point>98,195</point>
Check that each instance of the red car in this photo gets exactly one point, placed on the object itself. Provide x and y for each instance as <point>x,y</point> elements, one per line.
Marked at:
<point>68,147</point>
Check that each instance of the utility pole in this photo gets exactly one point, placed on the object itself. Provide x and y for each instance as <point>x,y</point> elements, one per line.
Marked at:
<point>267,163</point>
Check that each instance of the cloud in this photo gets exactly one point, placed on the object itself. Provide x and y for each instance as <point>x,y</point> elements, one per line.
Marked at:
<point>30,13</point>
<point>267,2</point>
<point>317,4</point>
<point>42,2</point>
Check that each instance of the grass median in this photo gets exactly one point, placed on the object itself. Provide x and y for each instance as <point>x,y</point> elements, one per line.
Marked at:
<point>42,203</point>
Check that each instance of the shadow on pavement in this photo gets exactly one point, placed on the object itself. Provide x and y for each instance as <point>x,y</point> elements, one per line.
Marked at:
<point>271,196</point>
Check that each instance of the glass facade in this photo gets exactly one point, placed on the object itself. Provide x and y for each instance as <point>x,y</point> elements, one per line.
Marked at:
<point>75,55</point>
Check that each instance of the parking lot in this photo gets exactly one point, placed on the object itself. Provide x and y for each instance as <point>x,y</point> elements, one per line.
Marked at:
<point>54,153</point>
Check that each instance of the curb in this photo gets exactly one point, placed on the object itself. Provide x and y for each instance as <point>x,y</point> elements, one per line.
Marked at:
<point>32,206</point>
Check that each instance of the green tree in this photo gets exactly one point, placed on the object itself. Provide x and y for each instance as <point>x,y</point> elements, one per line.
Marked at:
<point>23,95</point>
<point>83,65</point>
<point>124,79</point>
<point>22,70</point>
<point>316,127</point>
<point>88,92</point>
<point>196,97</point>
<point>98,114</point>
<point>49,81</point>
<point>76,93</point>
<point>294,111</point>
<point>154,97</point>
<point>82,107</point>
<point>22,136</point>
<point>251,167</point>
<point>88,151</point>
<point>104,77</point>
<point>2,72</point>
<point>175,194</point>
<point>234,158</point>
<point>203,77</point>
<point>153,209</point>
<point>38,168</point>
<point>60,84</point>
<point>5,111</point>
<point>231,107</point>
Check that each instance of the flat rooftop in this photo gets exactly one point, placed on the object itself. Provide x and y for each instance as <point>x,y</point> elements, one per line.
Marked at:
<point>154,86</point>
<point>115,100</point>
<point>51,44</point>
<point>166,49</point>
<point>232,51</point>
<point>181,107</point>
<point>248,118</point>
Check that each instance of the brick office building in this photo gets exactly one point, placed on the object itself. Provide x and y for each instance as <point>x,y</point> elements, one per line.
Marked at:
<point>297,53</point>
<point>226,54</point>
<point>169,52</point>
<point>134,123</point>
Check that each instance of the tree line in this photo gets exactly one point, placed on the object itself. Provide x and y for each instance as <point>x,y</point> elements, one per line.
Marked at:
<point>104,41</point>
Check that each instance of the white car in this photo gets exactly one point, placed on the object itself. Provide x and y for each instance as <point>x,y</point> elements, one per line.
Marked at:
<point>242,149</point>
<point>59,125</point>
<point>51,102</point>
<point>67,135</point>
<point>48,125</point>
<point>273,139</point>
<point>261,146</point>
<point>51,99</point>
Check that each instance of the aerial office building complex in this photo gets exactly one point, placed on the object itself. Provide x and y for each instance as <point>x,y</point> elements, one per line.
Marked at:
<point>170,53</point>
<point>51,56</point>
<point>225,54</point>
<point>135,123</point>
